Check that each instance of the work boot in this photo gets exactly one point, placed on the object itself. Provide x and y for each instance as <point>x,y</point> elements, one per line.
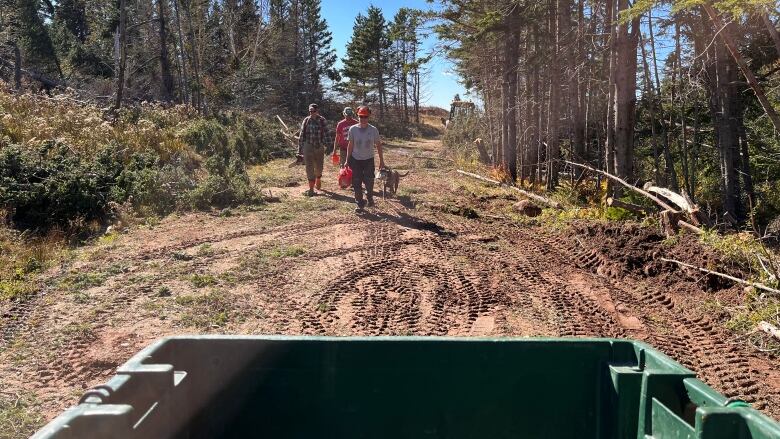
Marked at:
<point>309,193</point>
<point>370,202</point>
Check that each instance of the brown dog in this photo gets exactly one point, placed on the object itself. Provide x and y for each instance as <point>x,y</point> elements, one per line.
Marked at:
<point>390,179</point>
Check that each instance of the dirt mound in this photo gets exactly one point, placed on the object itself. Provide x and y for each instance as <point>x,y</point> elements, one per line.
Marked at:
<point>617,250</point>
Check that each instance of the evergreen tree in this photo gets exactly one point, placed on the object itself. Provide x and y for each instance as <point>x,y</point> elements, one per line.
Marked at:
<point>27,30</point>
<point>317,54</point>
<point>367,64</point>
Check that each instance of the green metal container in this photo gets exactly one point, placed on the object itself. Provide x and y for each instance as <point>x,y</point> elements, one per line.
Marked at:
<point>405,387</point>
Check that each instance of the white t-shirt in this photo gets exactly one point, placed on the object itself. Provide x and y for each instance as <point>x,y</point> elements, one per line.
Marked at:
<point>363,141</point>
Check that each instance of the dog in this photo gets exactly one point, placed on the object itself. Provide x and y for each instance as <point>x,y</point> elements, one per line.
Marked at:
<point>390,179</point>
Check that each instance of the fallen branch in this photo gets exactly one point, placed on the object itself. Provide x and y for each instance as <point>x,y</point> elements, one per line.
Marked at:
<point>35,76</point>
<point>770,329</point>
<point>691,227</point>
<point>725,276</point>
<point>663,204</point>
<point>533,196</point>
<point>626,184</point>
<point>286,128</point>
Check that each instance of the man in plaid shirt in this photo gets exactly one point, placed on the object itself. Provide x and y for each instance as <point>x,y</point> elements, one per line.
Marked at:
<point>311,144</point>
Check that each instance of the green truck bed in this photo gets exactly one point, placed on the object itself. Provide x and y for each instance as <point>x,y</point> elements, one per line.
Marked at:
<point>405,387</point>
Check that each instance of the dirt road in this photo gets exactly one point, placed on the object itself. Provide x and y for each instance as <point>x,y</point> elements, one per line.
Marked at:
<point>437,260</point>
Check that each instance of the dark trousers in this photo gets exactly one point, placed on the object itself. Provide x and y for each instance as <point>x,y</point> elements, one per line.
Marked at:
<point>362,173</point>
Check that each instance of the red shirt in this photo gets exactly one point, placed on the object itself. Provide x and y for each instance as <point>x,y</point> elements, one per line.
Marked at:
<point>342,128</point>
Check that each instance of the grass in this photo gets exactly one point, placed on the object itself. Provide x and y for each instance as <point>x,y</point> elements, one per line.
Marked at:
<point>78,282</point>
<point>206,250</point>
<point>22,260</point>
<point>202,280</point>
<point>756,306</point>
<point>744,250</point>
<point>273,174</point>
<point>20,415</point>
<point>284,251</point>
<point>213,310</point>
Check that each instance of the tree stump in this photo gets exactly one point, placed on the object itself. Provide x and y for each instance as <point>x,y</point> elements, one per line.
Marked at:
<point>670,222</point>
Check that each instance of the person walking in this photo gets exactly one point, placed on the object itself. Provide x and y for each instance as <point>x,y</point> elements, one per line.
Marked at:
<point>362,139</point>
<point>342,131</point>
<point>311,144</point>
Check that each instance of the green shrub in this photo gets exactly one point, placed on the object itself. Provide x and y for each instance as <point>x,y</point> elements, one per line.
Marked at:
<point>207,137</point>
<point>156,188</point>
<point>51,186</point>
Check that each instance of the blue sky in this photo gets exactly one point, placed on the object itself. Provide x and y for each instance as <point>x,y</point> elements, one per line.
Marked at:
<point>442,83</point>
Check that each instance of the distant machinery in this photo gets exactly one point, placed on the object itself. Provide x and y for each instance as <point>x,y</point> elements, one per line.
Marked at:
<point>459,109</point>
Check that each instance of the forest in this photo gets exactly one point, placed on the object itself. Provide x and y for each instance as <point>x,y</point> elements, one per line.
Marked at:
<point>682,93</point>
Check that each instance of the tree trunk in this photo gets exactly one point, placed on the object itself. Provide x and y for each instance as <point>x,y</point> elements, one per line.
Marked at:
<point>747,178</point>
<point>625,94</point>
<point>683,145</point>
<point>728,40</point>
<point>578,89</point>
<point>609,142</point>
<point>166,83</point>
<point>196,93</point>
<point>553,114</point>
<point>512,44</point>
<point>770,27</point>
<point>726,135</point>
<point>649,89</point>
<point>184,79</point>
<point>17,67</point>
<point>122,51</point>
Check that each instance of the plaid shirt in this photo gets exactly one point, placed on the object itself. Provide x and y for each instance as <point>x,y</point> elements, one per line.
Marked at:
<point>314,132</point>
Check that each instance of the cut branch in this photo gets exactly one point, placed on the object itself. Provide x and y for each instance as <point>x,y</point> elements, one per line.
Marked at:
<point>626,184</point>
<point>725,276</point>
<point>531,195</point>
<point>770,329</point>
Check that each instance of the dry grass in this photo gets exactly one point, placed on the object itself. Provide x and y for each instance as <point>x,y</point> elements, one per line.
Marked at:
<point>32,119</point>
<point>23,259</point>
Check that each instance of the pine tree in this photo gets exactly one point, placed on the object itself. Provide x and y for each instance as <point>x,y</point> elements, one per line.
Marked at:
<point>367,61</point>
<point>28,31</point>
<point>318,56</point>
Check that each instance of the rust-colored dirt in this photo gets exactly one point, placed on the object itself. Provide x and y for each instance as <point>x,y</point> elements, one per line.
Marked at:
<point>402,269</point>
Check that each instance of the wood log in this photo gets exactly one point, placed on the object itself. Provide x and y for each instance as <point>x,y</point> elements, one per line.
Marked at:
<point>531,195</point>
<point>760,286</point>
<point>635,208</point>
<point>769,328</point>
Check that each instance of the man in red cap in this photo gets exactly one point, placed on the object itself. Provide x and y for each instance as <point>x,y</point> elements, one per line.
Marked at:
<point>363,138</point>
<point>311,144</point>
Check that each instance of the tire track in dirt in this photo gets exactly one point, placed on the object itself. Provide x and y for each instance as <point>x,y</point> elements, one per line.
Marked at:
<point>402,286</point>
<point>697,342</point>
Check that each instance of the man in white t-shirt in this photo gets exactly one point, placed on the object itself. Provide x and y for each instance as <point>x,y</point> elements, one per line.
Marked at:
<point>363,138</point>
